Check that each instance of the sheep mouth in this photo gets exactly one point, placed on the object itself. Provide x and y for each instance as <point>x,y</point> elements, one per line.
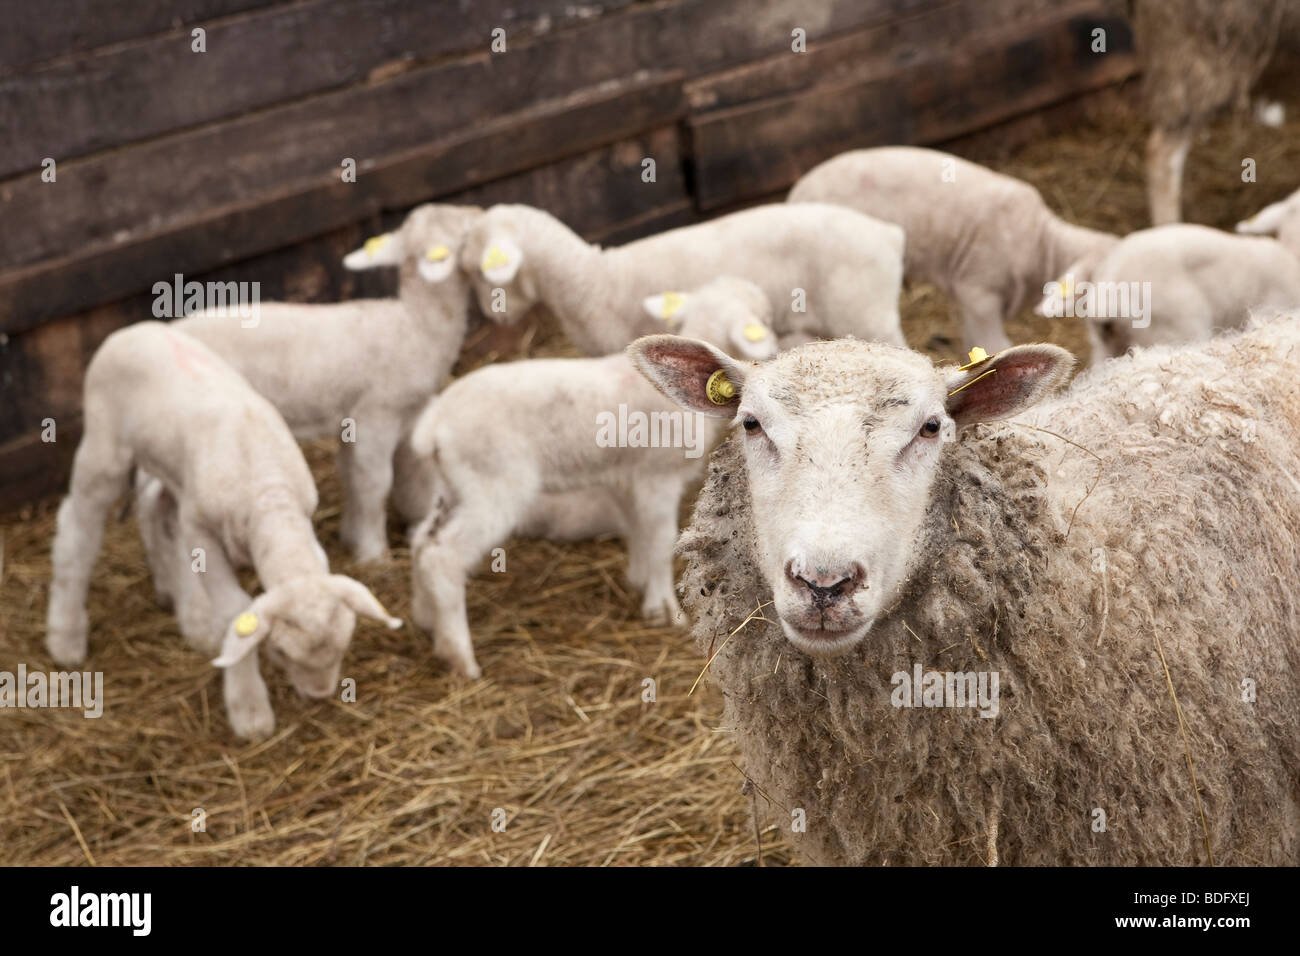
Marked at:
<point>314,691</point>
<point>824,641</point>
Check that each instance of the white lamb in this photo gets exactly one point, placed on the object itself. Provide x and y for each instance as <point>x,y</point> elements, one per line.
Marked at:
<point>988,241</point>
<point>566,448</point>
<point>365,367</point>
<point>1173,285</point>
<point>828,272</point>
<point>160,400</point>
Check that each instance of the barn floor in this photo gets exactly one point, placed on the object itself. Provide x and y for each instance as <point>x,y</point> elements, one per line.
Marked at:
<point>556,735</point>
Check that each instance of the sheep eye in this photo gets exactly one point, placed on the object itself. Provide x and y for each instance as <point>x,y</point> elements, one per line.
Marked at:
<point>931,427</point>
<point>751,424</point>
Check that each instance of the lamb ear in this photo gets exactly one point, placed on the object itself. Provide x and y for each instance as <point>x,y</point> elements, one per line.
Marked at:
<point>384,249</point>
<point>692,373</point>
<point>502,259</point>
<point>245,632</point>
<point>437,264</point>
<point>753,341</point>
<point>1007,383</point>
<point>666,306</point>
<point>1269,219</point>
<point>356,596</point>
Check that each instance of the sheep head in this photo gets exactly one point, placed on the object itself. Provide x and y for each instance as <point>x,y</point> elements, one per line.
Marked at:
<point>843,442</point>
<point>731,313</point>
<point>306,624</point>
<point>429,241</point>
<point>494,259</point>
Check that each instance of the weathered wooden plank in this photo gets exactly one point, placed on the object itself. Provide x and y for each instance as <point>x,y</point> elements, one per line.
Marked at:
<point>922,33</point>
<point>761,148</point>
<point>35,32</point>
<point>505,145</point>
<point>31,469</point>
<point>158,85</point>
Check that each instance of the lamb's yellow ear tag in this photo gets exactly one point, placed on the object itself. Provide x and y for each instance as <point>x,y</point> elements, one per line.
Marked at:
<point>673,302</point>
<point>494,258</point>
<point>374,244</point>
<point>977,355</point>
<point>755,332</point>
<point>437,253</point>
<point>1067,285</point>
<point>246,624</point>
<point>719,388</point>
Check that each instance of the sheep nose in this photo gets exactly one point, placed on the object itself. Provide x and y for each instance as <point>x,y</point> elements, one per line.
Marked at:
<point>824,587</point>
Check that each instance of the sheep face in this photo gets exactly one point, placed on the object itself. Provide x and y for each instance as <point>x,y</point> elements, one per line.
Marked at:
<point>493,258</point>
<point>306,624</point>
<point>733,314</point>
<point>843,444</point>
<point>429,242</point>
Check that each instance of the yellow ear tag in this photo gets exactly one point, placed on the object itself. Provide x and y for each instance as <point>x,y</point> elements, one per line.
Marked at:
<point>977,355</point>
<point>494,258</point>
<point>719,388</point>
<point>1067,286</point>
<point>374,244</point>
<point>437,253</point>
<point>673,302</point>
<point>755,332</point>
<point>246,624</point>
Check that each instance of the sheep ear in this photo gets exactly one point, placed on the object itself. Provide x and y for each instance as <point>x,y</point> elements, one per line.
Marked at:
<point>1055,294</point>
<point>382,250</point>
<point>692,373</point>
<point>437,263</point>
<point>1007,383</point>
<point>666,306</point>
<point>501,260</point>
<point>356,596</point>
<point>753,341</point>
<point>245,632</point>
<point>1269,219</point>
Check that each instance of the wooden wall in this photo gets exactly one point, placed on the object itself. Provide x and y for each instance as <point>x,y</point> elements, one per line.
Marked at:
<point>226,164</point>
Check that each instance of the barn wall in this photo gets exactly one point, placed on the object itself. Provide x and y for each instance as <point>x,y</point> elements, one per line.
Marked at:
<point>226,164</point>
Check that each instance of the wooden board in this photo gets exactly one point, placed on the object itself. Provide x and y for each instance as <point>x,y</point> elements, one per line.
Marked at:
<point>763,147</point>
<point>60,29</point>
<point>158,85</point>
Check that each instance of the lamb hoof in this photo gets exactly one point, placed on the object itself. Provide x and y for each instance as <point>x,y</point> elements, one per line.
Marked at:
<point>661,612</point>
<point>366,549</point>
<point>371,555</point>
<point>468,669</point>
<point>67,643</point>
<point>251,720</point>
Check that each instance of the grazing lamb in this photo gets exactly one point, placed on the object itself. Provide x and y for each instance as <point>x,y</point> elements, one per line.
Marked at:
<point>988,241</point>
<point>235,485</point>
<point>371,362</point>
<point>1198,58</point>
<point>828,272</point>
<point>1173,285</point>
<point>958,642</point>
<point>566,447</point>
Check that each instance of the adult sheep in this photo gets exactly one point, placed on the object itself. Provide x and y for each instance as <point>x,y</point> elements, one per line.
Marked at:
<point>882,531</point>
<point>1198,57</point>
